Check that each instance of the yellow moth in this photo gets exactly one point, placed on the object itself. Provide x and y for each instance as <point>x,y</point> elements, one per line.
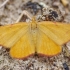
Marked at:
<point>25,39</point>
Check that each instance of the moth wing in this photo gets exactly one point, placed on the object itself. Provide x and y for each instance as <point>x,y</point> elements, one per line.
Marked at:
<point>10,34</point>
<point>23,48</point>
<point>46,46</point>
<point>58,32</point>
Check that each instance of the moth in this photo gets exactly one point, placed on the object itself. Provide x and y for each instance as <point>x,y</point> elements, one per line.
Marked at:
<point>42,38</point>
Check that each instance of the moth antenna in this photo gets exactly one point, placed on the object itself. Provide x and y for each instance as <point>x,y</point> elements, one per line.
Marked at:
<point>24,13</point>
